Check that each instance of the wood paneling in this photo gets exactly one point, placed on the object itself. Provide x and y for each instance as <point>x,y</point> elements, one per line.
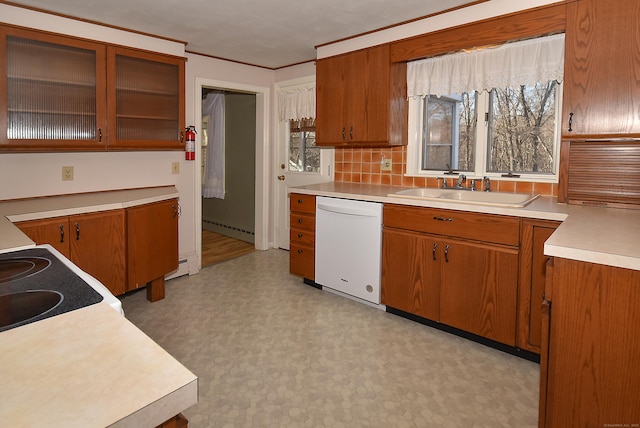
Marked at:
<point>602,70</point>
<point>520,25</point>
<point>531,282</point>
<point>600,173</point>
<point>594,347</point>
<point>482,227</point>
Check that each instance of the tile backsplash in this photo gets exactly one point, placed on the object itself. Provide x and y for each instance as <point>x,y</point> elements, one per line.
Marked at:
<point>364,166</point>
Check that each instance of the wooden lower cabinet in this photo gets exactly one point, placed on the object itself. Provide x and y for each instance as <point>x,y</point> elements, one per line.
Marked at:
<point>590,376</point>
<point>178,421</point>
<point>479,289</point>
<point>302,221</point>
<point>534,233</point>
<point>152,245</point>
<point>95,242</point>
<point>468,284</point>
<point>123,249</point>
<point>410,273</point>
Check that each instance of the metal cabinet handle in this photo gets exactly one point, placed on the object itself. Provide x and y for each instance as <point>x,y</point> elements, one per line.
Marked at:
<point>442,218</point>
<point>61,233</point>
<point>570,122</point>
<point>77,232</point>
<point>299,251</point>
<point>351,133</point>
<point>300,201</point>
<point>435,247</point>
<point>100,135</point>
<point>343,132</point>
<point>446,253</point>
<point>300,220</point>
<point>300,235</point>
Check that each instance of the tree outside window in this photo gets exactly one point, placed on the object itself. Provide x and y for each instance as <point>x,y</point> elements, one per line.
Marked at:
<point>519,136</point>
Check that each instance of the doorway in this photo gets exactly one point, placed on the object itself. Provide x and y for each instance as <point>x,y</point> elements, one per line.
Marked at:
<point>261,192</point>
<point>228,203</point>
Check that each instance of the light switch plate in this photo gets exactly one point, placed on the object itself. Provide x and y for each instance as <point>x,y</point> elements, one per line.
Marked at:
<point>385,165</point>
<point>175,168</point>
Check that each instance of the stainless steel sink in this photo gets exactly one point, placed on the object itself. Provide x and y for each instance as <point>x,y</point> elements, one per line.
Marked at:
<point>499,199</point>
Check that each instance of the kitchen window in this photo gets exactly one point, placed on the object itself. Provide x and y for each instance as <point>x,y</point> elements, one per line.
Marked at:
<point>304,155</point>
<point>501,120</point>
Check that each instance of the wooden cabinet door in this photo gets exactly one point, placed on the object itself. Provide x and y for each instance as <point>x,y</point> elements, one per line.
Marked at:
<point>330,81</point>
<point>374,106</point>
<point>145,100</point>
<point>479,289</point>
<point>411,273</point>
<point>532,282</point>
<point>52,231</point>
<point>97,245</point>
<point>594,347</point>
<point>53,92</point>
<point>152,241</point>
<point>353,98</point>
<point>601,83</point>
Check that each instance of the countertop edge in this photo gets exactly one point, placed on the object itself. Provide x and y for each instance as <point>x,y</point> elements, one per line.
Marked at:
<point>586,233</point>
<point>62,205</point>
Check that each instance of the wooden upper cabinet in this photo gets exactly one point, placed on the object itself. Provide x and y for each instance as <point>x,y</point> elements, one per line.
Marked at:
<point>52,92</point>
<point>145,100</point>
<point>63,93</point>
<point>602,70</point>
<point>357,98</point>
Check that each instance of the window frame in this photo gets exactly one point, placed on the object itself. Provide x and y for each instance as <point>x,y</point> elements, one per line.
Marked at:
<point>415,144</point>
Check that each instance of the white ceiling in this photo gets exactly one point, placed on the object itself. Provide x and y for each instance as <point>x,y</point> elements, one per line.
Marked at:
<point>267,33</point>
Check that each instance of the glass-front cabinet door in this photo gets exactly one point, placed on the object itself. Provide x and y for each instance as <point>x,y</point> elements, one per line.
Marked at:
<point>146,100</point>
<point>52,92</point>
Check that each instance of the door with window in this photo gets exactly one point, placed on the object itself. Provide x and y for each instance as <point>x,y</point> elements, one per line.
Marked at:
<point>300,162</point>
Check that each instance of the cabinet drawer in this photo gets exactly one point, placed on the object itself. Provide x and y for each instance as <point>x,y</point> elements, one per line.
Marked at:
<point>302,236</point>
<point>479,227</point>
<point>302,203</point>
<point>302,221</point>
<point>302,260</point>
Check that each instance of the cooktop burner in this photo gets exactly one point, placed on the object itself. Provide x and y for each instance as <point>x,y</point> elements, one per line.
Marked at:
<point>35,284</point>
<point>21,267</point>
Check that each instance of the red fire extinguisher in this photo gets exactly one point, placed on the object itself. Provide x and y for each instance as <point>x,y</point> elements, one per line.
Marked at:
<point>190,144</point>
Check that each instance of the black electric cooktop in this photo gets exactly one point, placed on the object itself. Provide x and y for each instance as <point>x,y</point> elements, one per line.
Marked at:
<point>35,284</point>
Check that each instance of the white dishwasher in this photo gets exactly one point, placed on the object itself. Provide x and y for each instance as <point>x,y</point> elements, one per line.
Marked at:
<point>348,246</point>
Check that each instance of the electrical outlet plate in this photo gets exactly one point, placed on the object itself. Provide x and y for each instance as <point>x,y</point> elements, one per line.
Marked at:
<point>175,168</point>
<point>67,173</point>
<point>385,165</point>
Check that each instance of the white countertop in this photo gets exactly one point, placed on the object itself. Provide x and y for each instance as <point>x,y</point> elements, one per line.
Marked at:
<point>11,238</point>
<point>606,236</point>
<point>89,368</point>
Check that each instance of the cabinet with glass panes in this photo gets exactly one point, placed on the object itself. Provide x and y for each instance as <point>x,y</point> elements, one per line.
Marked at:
<point>64,93</point>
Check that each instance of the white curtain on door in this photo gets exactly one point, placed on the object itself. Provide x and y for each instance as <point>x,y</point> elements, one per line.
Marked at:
<point>511,64</point>
<point>296,104</point>
<point>213,177</point>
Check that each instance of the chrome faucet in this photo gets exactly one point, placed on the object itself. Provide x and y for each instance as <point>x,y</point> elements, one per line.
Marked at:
<point>487,184</point>
<point>461,180</point>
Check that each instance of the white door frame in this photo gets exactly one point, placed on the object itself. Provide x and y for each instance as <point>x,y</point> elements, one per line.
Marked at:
<point>292,179</point>
<point>263,190</point>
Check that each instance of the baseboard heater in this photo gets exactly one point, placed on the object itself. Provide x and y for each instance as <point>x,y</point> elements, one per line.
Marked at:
<point>229,227</point>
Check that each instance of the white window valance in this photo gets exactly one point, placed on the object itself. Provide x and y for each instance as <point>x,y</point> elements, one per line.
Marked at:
<point>511,64</point>
<point>296,104</point>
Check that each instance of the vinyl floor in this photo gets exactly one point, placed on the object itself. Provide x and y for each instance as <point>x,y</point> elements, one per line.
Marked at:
<point>270,351</point>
